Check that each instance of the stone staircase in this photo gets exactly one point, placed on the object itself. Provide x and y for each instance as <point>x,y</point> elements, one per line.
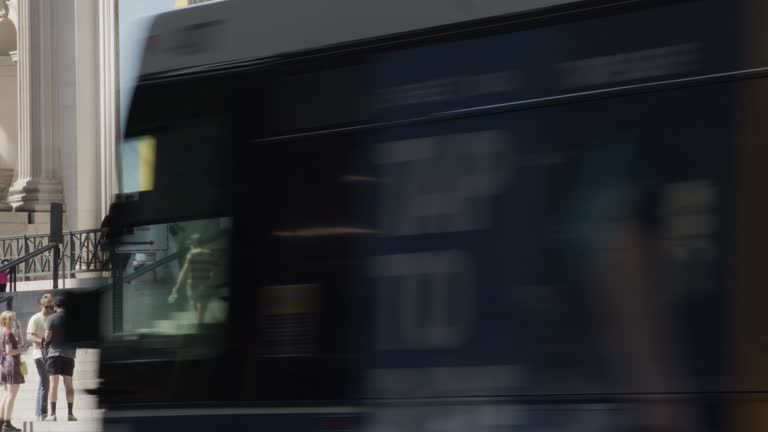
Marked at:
<point>180,323</point>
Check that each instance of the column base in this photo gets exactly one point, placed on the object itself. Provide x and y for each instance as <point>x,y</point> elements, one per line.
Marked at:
<point>35,195</point>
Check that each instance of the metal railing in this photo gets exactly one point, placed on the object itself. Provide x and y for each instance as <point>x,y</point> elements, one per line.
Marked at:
<point>12,267</point>
<point>81,252</point>
<point>8,300</point>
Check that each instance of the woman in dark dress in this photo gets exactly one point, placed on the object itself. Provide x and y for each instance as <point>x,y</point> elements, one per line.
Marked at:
<point>10,373</point>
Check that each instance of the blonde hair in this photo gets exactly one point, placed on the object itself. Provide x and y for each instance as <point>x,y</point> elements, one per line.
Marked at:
<point>45,297</point>
<point>6,318</point>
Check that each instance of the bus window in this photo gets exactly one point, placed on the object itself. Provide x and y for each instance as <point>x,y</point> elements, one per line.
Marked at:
<point>176,279</point>
<point>138,158</point>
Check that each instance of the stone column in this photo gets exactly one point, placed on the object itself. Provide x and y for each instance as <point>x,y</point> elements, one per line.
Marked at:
<point>109,100</point>
<point>8,127</point>
<point>8,100</point>
<point>88,163</point>
<point>38,180</point>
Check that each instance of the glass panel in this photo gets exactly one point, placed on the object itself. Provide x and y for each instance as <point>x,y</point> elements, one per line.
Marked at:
<point>176,277</point>
<point>138,159</point>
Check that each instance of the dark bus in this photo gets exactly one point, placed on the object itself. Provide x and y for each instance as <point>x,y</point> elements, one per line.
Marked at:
<point>548,218</point>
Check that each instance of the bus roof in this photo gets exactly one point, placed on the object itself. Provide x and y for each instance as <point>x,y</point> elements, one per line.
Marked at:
<point>221,32</point>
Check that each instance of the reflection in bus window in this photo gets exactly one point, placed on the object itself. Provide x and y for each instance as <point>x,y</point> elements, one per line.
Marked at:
<point>138,159</point>
<point>183,288</point>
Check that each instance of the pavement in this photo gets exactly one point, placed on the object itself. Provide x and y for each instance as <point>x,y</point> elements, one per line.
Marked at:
<point>86,406</point>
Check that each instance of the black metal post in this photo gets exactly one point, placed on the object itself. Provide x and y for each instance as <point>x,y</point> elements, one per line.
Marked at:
<point>117,291</point>
<point>56,259</point>
<point>71,253</point>
<point>26,252</point>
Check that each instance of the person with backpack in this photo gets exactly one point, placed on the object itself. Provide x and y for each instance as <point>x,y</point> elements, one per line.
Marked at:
<point>59,360</point>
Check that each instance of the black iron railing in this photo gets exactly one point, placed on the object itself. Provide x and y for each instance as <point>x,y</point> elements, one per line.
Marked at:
<point>12,267</point>
<point>8,300</point>
<point>81,252</point>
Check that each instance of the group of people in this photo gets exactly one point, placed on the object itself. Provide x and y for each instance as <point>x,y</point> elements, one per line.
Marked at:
<point>52,356</point>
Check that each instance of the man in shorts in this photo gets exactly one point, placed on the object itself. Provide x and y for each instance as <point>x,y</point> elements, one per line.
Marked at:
<point>60,360</point>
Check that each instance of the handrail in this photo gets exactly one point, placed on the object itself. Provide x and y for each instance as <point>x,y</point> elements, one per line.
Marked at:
<point>46,235</point>
<point>157,264</point>
<point>27,257</point>
<point>15,263</point>
<point>82,251</point>
<point>7,299</point>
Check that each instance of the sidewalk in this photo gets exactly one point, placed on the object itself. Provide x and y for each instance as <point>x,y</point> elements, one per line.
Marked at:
<point>86,406</point>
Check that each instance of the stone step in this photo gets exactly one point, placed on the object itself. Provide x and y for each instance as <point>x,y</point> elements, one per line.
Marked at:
<point>61,426</point>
